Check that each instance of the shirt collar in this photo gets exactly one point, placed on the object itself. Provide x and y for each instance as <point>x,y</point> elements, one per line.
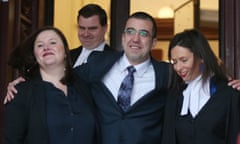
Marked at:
<point>140,68</point>
<point>195,96</point>
<point>99,48</point>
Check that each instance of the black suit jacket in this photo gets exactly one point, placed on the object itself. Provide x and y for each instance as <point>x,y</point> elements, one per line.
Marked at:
<point>142,124</point>
<point>26,116</point>
<point>217,122</point>
<point>77,51</point>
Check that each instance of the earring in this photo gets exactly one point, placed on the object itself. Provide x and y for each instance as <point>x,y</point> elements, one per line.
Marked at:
<point>201,67</point>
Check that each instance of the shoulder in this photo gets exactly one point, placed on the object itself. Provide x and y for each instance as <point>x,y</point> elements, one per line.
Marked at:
<point>222,89</point>
<point>108,48</point>
<point>30,83</point>
<point>75,51</point>
<point>24,86</point>
<point>161,66</point>
<point>162,72</point>
<point>30,88</point>
<point>24,93</point>
<point>104,56</point>
<point>98,64</point>
<point>159,63</point>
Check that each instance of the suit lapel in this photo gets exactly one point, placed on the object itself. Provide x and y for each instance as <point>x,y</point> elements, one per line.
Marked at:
<point>75,53</point>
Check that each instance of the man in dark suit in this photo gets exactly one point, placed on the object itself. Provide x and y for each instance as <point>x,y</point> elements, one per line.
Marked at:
<point>141,122</point>
<point>92,26</point>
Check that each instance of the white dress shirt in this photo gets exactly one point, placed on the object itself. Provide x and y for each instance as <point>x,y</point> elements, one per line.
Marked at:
<point>144,78</point>
<point>82,58</point>
<point>195,96</point>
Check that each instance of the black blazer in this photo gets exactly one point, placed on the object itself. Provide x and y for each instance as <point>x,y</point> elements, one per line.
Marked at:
<point>77,51</point>
<point>26,118</point>
<point>217,122</point>
<point>142,124</point>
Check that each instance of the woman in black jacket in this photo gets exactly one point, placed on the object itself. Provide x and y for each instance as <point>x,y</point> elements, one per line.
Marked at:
<point>52,106</point>
<point>202,108</point>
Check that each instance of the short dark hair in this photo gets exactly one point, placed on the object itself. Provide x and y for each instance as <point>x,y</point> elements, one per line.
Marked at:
<point>23,60</point>
<point>146,16</point>
<point>91,10</point>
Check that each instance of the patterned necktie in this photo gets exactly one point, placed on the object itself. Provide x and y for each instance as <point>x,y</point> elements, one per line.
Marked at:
<point>125,90</point>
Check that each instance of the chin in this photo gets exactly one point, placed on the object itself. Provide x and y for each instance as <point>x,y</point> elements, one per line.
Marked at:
<point>185,79</point>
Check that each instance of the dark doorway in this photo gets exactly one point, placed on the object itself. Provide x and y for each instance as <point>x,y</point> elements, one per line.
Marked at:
<point>18,18</point>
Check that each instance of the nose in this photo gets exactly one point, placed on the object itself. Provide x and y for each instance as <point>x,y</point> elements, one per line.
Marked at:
<point>136,37</point>
<point>85,32</point>
<point>46,47</point>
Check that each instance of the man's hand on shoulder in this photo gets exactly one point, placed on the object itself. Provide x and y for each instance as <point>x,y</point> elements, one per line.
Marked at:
<point>234,84</point>
<point>11,90</point>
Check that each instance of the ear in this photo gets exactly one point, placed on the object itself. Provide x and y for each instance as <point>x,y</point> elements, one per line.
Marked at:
<point>154,43</point>
<point>105,28</point>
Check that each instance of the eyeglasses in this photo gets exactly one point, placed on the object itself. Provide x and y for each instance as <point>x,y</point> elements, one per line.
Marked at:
<point>141,33</point>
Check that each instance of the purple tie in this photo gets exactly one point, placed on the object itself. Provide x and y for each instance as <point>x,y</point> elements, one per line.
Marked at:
<point>125,90</point>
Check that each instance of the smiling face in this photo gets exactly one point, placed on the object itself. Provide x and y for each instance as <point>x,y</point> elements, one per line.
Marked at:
<point>90,31</point>
<point>184,63</point>
<point>137,47</point>
<point>49,49</point>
